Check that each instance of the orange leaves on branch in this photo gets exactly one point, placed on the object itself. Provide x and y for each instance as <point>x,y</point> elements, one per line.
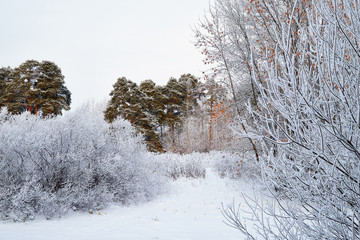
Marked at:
<point>221,112</point>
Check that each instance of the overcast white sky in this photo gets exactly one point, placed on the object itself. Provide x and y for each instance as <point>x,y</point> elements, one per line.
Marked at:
<point>96,41</point>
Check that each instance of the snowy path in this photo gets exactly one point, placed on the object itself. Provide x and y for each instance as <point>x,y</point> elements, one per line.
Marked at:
<point>190,211</point>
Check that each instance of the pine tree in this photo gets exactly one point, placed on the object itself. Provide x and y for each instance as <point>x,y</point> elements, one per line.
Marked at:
<point>129,102</point>
<point>148,88</point>
<point>37,86</point>
<point>4,78</point>
<point>153,107</point>
<point>160,101</point>
<point>153,101</point>
<point>53,94</point>
<point>117,105</point>
<point>175,94</point>
<point>22,82</point>
<point>190,84</point>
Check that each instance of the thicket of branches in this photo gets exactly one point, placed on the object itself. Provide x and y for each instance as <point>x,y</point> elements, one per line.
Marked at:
<point>50,166</point>
<point>301,58</point>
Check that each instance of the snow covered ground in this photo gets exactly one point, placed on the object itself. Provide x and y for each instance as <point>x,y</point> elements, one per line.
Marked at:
<point>191,210</point>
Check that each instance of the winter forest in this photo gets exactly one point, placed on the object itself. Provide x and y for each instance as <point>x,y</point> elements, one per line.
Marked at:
<point>277,107</point>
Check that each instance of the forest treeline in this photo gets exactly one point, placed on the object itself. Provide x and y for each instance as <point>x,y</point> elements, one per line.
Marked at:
<point>185,115</point>
<point>166,115</point>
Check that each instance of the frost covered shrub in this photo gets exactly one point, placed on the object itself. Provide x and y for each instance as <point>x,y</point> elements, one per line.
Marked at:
<point>77,161</point>
<point>175,165</point>
<point>234,164</point>
<point>225,164</point>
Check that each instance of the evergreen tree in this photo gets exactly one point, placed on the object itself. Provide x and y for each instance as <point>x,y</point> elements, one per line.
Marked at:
<point>37,86</point>
<point>175,95</point>
<point>118,103</point>
<point>160,101</point>
<point>153,101</point>
<point>130,103</point>
<point>53,95</point>
<point>148,89</point>
<point>154,110</point>
<point>190,84</point>
<point>134,104</point>
<point>125,101</point>
<point>153,107</point>
<point>4,78</point>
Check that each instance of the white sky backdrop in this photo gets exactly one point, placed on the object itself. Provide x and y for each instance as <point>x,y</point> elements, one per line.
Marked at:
<point>96,41</point>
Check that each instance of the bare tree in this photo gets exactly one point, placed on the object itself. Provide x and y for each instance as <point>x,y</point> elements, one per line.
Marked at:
<point>309,112</point>
<point>224,39</point>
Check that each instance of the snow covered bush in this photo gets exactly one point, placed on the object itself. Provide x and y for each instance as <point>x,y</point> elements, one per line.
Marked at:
<point>235,165</point>
<point>77,161</point>
<point>226,164</point>
<point>175,165</point>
